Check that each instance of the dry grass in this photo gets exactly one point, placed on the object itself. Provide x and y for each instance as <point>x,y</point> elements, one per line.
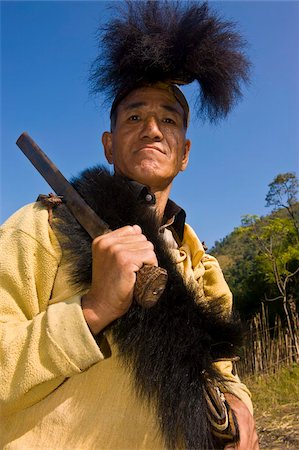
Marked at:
<point>268,349</point>
<point>276,404</point>
<point>272,391</point>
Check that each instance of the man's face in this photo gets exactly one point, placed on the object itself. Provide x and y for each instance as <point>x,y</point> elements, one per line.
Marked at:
<point>148,142</point>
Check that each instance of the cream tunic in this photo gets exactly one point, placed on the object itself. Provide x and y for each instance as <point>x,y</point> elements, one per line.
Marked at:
<point>58,390</point>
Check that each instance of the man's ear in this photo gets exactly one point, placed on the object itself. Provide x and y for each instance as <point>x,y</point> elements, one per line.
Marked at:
<point>185,158</point>
<point>107,144</point>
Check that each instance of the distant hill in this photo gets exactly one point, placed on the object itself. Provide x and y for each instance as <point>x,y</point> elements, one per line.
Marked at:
<point>239,256</point>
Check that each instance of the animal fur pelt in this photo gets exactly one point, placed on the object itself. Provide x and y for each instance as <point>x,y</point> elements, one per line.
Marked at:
<point>174,42</point>
<point>169,348</point>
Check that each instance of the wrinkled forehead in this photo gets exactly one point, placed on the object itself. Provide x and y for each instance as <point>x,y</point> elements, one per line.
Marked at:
<point>151,97</point>
<point>159,95</point>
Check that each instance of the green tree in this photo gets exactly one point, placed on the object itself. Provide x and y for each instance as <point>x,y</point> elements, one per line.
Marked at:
<point>283,194</point>
<point>250,268</point>
<point>237,254</point>
<point>278,259</point>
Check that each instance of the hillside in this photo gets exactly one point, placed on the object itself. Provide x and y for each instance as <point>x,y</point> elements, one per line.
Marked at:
<point>247,266</point>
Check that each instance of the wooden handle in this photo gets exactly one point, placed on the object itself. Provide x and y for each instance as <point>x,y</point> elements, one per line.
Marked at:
<point>149,286</point>
<point>150,281</point>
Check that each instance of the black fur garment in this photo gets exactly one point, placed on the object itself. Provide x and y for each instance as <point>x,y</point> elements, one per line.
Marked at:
<point>169,348</point>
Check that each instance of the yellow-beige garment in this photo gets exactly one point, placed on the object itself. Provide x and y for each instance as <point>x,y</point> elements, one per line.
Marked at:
<point>58,390</point>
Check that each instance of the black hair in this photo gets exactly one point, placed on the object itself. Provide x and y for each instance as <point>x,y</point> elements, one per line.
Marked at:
<point>174,42</point>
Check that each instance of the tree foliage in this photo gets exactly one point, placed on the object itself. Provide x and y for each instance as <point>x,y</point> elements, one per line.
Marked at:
<point>259,259</point>
<point>283,194</point>
<point>277,253</point>
<point>283,190</point>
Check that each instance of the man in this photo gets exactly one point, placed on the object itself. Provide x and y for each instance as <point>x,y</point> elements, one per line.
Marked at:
<point>68,384</point>
<point>148,145</point>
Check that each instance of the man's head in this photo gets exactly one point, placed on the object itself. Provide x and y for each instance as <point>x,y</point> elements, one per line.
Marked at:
<point>150,42</point>
<point>147,142</point>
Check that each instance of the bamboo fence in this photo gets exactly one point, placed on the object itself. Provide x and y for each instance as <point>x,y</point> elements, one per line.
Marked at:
<point>267,349</point>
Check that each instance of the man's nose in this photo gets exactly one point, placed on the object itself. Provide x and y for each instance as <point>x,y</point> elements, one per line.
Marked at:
<point>151,129</point>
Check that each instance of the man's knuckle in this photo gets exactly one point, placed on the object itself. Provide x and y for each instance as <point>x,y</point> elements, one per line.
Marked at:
<point>121,257</point>
<point>96,241</point>
<point>95,244</point>
<point>129,229</point>
<point>100,244</point>
<point>150,245</point>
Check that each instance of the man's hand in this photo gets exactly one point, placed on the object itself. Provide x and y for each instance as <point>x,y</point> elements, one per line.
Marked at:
<point>116,257</point>
<point>248,435</point>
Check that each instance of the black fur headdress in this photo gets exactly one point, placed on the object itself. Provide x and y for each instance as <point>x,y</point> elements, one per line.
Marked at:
<point>172,42</point>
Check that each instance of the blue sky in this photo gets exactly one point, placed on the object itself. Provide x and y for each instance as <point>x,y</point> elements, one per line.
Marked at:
<point>47,48</point>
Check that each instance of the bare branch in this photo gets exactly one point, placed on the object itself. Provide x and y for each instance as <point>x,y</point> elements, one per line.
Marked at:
<point>290,276</point>
<point>273,299</point>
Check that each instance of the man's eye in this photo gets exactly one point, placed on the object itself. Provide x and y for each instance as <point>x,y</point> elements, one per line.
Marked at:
<point>169,120</point>
<point>134,117</point>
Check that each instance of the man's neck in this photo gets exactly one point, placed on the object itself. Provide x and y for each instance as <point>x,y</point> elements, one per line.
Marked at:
<point>161,195</point>
<point>161,200</point>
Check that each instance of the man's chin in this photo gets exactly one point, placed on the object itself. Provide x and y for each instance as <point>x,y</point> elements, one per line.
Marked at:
<point>148,175</point>
<point>151,179</point>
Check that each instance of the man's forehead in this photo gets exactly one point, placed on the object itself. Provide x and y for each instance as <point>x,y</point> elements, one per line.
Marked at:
<point>147,96</point>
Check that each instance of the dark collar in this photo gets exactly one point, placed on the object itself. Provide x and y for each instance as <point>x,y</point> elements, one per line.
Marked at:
<point>174,215</point>
<point>178,216</point>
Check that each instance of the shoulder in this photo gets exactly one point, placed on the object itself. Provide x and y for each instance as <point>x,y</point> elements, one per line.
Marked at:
<point>27,218</point>
<point>196,247</point>
<point>207,267</point>
<point>31,222</point>
<point>191,240</point>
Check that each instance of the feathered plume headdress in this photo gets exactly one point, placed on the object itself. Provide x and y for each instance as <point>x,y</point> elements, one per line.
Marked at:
<point>175,43</point>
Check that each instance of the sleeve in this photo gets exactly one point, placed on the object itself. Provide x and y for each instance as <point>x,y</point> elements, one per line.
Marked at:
<point>210,279</point>
<point>41,345</point>
<point>233,384</point>
<point>214,284</point>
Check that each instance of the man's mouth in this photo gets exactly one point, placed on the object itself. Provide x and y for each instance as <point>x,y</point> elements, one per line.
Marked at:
<point>151,147</point>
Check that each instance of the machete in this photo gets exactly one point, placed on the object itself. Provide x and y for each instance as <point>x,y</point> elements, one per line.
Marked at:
<point>150,280</point>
